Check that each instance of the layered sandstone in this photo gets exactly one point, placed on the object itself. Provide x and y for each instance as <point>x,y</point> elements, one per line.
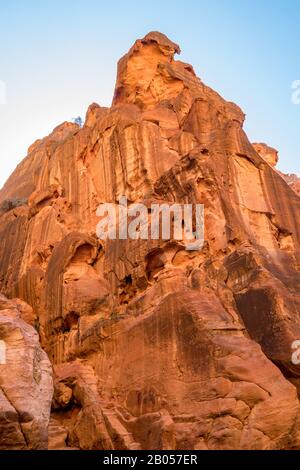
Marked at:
<point>155,347</point>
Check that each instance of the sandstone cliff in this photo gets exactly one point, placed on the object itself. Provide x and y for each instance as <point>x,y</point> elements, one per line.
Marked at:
<point>155,347</point>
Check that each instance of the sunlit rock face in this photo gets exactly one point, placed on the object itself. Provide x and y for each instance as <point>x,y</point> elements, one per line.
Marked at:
<point>26,385</point>
<point>270,155</point>
<point>153,346</point>
<point>267,153</point>
<point>294,182</point>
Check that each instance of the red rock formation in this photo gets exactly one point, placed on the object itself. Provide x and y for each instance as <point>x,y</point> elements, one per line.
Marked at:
<point>155,347</point>
<point>294,182</point>
<point>271,156</point>
<point>267,153</point>
<point>26,387</point>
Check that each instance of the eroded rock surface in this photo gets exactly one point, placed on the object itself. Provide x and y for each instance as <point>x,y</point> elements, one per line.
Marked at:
<point>271,156</point>
<point>294,182</point>
<point>155,347</point>
<point>267,153</point>
<point>26,386</point>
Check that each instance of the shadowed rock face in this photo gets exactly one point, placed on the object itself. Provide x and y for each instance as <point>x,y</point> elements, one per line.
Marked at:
<point>155,347</point>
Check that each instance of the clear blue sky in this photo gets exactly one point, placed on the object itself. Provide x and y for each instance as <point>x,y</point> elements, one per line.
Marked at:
<point>58,56</point>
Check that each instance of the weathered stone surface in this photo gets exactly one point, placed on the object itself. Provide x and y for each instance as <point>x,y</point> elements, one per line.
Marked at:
<point>57,436</point>
<point>25,382</point>
<point>271,156</point>
<point>267,153</point>
<point>294,182</point>
<point>155,347</point>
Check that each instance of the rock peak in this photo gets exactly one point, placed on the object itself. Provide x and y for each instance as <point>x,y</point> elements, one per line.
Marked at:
<point>140,70</point>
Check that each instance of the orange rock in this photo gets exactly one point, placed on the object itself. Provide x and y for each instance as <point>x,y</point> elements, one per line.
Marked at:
<point>267,153</point>
<point>155,347</point>
<point>25,382</point>
<point>294,182</point>
<point>271,156</point>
